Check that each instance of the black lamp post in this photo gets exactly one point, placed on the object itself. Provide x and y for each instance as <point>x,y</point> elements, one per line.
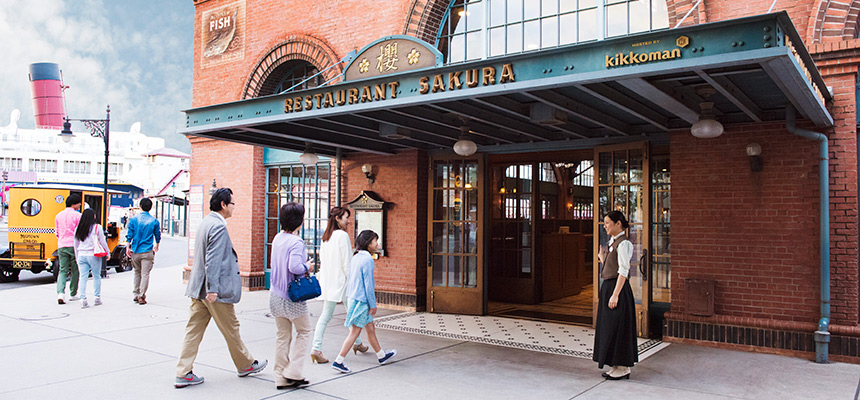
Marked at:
<point>99,128</point>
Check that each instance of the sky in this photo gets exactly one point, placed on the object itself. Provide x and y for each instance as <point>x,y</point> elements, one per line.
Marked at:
<point>134,55</point>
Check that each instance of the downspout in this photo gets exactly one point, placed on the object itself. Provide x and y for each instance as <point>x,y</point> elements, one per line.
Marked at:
<point>822,335</point>
<point>338,161</point>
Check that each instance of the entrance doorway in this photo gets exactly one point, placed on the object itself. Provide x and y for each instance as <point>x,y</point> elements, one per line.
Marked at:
<point>622,185</point>
<point>540,235</point>
<point>455,274</point>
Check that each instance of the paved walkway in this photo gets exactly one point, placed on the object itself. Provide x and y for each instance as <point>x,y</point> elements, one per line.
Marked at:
<point>123,350</point>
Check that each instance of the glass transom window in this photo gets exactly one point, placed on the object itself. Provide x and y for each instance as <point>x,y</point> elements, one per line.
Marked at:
<point>477,29</point>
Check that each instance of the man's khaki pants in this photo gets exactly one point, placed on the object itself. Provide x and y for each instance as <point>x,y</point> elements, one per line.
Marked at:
<point>288,364</point>
<point>142,264</point>
<point>225,318</point>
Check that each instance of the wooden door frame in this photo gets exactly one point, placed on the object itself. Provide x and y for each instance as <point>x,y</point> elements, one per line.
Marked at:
<point>641,309</point>
<point>459,295</point>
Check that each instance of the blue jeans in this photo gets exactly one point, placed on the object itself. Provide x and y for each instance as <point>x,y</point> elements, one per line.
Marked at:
<point>86,264</point>
<point>322,323</point>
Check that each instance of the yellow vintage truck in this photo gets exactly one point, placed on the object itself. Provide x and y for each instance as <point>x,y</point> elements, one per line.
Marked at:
<point>32,242</point>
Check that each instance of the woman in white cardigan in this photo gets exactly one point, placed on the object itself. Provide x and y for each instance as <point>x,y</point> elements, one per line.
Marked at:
<point>335,255</point>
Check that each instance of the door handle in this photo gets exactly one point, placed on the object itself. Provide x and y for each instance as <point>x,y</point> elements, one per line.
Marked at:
<point>643,264</point>
<point>430,253</point>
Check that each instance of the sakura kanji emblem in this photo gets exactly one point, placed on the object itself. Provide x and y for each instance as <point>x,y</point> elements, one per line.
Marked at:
<point>387,59</point>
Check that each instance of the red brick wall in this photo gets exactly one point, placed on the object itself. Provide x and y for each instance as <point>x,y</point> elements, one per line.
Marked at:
<point>344,25</point>
<point>755,233</point>
<point>238,167</point>
<point>843,197</point>
<point>402,180</point>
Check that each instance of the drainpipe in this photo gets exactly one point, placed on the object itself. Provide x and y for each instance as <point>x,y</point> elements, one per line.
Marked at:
<point>338,159</point>
<point>822,336</point>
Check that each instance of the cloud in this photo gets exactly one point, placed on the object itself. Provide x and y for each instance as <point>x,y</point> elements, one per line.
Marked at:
<point>135,56</point>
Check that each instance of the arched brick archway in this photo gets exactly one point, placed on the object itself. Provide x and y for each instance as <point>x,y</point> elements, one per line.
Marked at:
<point>834,21</point>
<point>424,19</point>
<point>297,47</point>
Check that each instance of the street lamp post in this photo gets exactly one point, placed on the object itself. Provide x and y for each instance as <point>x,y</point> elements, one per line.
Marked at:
<point>99,128</point>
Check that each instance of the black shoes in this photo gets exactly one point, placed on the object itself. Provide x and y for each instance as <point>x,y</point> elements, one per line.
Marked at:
<point>293,383</point>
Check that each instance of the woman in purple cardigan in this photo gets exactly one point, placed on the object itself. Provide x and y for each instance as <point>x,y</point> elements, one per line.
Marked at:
<point>289,258</point>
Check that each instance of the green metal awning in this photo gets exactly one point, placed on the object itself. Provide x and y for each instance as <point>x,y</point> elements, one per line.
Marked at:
<point>613,89</point>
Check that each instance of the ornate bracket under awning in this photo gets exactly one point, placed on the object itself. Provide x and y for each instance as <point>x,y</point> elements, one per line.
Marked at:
<point>584,94</point>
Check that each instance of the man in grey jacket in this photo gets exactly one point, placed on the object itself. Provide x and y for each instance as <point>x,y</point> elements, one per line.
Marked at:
<point>214,286</point>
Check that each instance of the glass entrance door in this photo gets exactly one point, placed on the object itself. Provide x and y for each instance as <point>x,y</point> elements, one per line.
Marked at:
<point>622,184</point>
<point>455,278</point>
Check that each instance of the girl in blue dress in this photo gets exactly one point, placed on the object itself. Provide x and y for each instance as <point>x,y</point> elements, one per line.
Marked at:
<point>361,301</point>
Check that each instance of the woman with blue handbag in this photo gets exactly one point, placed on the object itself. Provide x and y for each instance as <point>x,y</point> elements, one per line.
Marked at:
<point>289,262</point>
<point>361,301</point>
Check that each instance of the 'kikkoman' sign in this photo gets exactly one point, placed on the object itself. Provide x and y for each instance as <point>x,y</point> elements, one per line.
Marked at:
<point>633,58</point>
<point>470,78</point>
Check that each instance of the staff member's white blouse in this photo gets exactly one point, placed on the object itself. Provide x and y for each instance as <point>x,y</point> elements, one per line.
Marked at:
<point>335,255</point>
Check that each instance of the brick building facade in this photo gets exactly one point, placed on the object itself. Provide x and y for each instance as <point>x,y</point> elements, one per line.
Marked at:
<point>754,234</point>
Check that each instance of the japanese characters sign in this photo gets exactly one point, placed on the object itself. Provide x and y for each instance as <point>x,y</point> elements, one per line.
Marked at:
<point>390,55</point>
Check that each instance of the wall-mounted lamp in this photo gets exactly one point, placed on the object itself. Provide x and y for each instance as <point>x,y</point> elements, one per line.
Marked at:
<point>368,172</point>
<point>465,146</point>
<point>309,157</point>
<point>754,152</point>
<point>213,188</point>
<point>707,126</point>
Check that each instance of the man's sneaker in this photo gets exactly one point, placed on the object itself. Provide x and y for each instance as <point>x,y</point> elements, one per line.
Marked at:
<point>73,298</point>
<point>84,303</point>
<point>61,298</point>
<point>188,380</point>
<point>141,300</point>
<point>388,355</point>
<point>254,368</point>
<point>340,367</point>
<point>98,301</point>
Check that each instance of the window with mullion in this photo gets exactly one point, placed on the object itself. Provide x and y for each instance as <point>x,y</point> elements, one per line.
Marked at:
<point>490,28</point>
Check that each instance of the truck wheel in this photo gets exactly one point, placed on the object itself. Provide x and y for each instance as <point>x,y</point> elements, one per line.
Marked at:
<point>124,263</point>
<point>55,269</point>
<point>9,275</point>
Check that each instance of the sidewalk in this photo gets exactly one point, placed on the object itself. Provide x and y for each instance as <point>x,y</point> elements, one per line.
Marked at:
<point>124,350</point>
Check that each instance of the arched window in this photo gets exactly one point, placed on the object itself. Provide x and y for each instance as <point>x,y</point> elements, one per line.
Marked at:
<point>298,71</point>
<point>476,29</point>
<point>289,74</point>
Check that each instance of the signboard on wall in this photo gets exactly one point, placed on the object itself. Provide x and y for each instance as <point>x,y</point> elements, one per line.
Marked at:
<point>392,54</point>
<point>222,36</point>
<point>195,217</point>
<point>369,211</point>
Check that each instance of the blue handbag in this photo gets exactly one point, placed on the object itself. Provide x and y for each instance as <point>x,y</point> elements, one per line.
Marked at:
<point>304,287</point>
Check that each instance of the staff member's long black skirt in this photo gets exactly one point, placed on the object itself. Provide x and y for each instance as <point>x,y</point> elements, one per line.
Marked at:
<point>615,336</point>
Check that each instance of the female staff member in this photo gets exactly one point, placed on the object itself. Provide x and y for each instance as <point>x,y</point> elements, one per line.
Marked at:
<point>289,258</point>
<point>87,234</point>
<point>615,336</point>
<point>335,255</point>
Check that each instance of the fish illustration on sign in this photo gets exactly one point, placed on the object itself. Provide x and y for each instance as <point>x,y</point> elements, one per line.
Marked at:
<point>222,32</point>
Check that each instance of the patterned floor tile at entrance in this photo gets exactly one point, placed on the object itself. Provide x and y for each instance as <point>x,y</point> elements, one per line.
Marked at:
<point>568,340</point>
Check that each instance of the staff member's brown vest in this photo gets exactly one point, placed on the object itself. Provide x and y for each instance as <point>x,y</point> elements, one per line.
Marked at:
<point>610,266</point>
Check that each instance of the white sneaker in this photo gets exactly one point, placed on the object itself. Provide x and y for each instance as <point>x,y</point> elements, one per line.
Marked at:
<point>84,304</point>
<point>73,298</point>
<point>61,298</point>
<point>98,301</point>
